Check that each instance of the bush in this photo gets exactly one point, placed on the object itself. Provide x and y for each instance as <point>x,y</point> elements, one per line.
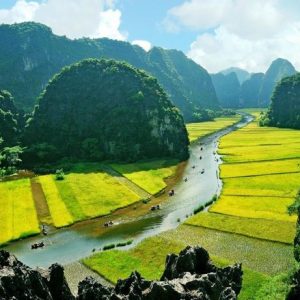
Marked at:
<point>59,174</point>
<point>198,209</point>
<point>123,244</point>
<point>108,247</point>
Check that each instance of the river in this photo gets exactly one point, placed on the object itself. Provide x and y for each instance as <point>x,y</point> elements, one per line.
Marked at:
<point>71,244</point>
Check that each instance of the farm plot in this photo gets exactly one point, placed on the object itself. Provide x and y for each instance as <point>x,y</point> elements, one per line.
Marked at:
<point>83,196</point>
<point>201,129</point>
<point>18,217</point>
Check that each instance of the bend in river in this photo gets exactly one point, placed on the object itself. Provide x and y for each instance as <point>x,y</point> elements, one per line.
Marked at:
<point>68,245</point>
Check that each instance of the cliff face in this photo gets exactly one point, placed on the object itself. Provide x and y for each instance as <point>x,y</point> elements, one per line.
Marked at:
<point>189,275</point>
<point>31,54</point>
<point>100,109</point>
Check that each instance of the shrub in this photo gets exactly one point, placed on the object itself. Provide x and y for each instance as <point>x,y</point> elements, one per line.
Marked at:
<point>198,209</point>
<point>59,174</point>
<point>108,247</point>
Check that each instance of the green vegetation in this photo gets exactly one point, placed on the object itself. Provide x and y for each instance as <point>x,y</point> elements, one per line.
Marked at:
<point>199,130</point>
<point>149,175</point>
<point>188,84</point>
<point>17,215</point>
<point>285,104</point>
<point>121,114</point>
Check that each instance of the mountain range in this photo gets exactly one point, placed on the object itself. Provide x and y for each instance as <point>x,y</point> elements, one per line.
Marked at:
<point>30,54</point>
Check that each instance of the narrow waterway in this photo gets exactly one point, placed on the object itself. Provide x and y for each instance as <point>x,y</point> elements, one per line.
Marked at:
<point>71,244</point>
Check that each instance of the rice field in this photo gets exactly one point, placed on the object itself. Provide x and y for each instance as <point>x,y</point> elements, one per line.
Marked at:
<point>149,256</point>
<point>201,129</point>
<point>149,175</point>
<point>18,217</point>
<point>83,196</point>
<point>261,177</point>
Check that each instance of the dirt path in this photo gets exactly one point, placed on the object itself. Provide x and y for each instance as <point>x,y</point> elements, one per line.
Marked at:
<point>125,181</point>
<point>40,202</point>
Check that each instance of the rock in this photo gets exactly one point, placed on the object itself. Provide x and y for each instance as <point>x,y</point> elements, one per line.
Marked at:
<point>193,260</point>
<point>18,281</point>
<point>90,289</point>
<point>187,276</point>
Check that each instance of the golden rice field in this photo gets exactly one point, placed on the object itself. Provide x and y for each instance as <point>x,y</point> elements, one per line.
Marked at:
<point>261,177</point>
<point>149,175</point>
<point>18,217</point>
<point>199,130</point>
<point>83,196</point>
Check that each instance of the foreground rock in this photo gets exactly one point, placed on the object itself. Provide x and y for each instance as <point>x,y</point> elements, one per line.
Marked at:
<point>189,275</point>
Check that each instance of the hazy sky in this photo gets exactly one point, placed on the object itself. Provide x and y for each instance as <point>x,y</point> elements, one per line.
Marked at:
<point>215,33</point>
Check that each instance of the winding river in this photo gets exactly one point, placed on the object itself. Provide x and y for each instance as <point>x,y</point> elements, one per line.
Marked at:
<point>73,243</point>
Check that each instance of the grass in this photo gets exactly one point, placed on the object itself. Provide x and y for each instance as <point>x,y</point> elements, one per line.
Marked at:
<point>149,256</point>
<point>199,130</point>
<point>18,218</point>
<point>149,175</point>
<point>267,229</point>
<point>82,196</point>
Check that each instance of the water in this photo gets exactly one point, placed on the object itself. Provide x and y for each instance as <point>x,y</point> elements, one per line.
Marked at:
<point>74,243</point>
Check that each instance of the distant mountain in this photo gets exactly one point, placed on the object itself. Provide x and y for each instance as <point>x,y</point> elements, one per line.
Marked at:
<point>284,110</point>
<point>227,88</point>
<point>106,110</point>
<point>241,74</point>
<point>279,69</point>
<point>30,54</point>
<point>250,89</point>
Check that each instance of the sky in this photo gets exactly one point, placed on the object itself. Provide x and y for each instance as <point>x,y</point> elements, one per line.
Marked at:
<point>217,34</point>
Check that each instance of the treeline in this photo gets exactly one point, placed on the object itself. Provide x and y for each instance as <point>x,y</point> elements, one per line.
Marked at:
<point>284,110</point>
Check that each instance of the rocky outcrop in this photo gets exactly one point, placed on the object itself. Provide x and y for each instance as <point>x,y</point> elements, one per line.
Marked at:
<point>17,281</point>
<point>187,276</point>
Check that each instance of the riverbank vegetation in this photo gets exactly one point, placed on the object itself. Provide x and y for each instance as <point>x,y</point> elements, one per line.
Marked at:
<point>199,130</point>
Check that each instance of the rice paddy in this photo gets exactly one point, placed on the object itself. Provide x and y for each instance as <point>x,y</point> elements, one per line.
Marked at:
<point>149,256</point>
<point>149,175</point>
<point>83,196</point>
<point>18,217</point>
<point>261,177</point>
<point>199,130</point>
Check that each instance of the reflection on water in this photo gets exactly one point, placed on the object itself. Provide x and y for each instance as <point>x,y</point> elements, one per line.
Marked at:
<point>71,244</point>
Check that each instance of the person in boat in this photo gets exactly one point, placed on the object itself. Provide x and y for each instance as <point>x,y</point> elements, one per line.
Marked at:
<point>185,179</point>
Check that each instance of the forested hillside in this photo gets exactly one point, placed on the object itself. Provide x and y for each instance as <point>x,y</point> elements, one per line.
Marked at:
<point>285,104</point>
<point>31,54</point>
<point>103,109</point>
